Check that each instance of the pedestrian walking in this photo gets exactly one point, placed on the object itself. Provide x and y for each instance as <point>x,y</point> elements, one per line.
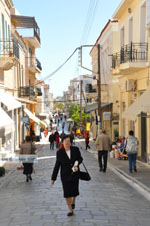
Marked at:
<point>131,146</point>
<point>28,148</point>
<point>46,132</point>
<point>62,135</point>
<point>56,137</point>
<point>51,140</point>
<point>72,137</point>
<point>68,159</point>
<point>86,136</point>
<point>103,143</point>
<point>63,125</point>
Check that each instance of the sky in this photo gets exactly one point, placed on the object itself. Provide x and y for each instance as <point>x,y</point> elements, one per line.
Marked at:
<point>64,26</point>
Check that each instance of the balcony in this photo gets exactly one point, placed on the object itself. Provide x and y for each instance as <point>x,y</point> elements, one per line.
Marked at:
<point>27,91</point>
<point>38,92</point>
<point>89,89</point>
<point>34,65</point>
<point>132,58</point>
<point>9,54</point>
<point>28,22</point>
<point>90,92</point>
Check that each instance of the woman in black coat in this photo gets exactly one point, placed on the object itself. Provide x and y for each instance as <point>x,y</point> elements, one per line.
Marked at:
<point>68,160</point>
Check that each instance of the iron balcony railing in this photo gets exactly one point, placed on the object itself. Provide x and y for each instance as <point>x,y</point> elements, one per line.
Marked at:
<point>9,48</point>
<point>89,89</point>
<point>26,91</point>
<point>134,52</point>
<point>38,91</point>
<point>38,64</point>
<point>37,35</point>
<point>34,62</point>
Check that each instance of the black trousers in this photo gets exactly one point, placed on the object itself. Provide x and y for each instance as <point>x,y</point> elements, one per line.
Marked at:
<point>52,145</point>
<point>87,144</point>
<point>102,155</point>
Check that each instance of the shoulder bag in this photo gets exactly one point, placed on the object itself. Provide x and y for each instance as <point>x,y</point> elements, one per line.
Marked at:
<point>84,175</point>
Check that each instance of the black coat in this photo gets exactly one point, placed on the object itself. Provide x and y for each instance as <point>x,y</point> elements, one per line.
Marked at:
<point>51,138</point>
<point>65,164</point>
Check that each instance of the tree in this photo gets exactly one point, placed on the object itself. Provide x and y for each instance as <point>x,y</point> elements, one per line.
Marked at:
<point>59,107</point>
<point>74,113</point>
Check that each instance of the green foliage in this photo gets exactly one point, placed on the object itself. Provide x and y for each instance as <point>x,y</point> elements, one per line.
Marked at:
<point>59,106</point>
<point>74,113</point>
<point>72,109</point>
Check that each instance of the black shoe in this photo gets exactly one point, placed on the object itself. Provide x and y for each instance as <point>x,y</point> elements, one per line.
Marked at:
<point>70,214</point>
<point>135,170</point>
<point>73,206</point>
<point>30,177</point>
<point>104,171</point>
<point>100,170</point>
<point>27,179</point>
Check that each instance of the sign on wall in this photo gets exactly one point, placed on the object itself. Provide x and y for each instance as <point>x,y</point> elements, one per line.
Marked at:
<point>106,115</point>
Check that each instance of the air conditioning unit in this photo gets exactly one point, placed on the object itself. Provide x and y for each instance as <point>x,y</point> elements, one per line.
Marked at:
<point>130,85</point>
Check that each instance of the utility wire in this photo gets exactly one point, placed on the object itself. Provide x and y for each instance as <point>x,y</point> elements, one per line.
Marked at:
<point>48,76</point>
<point>55,71</point>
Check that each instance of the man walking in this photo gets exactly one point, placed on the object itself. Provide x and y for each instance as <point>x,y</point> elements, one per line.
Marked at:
<point>131,145</point>
<point>51,140</point>
<point>103,146</point>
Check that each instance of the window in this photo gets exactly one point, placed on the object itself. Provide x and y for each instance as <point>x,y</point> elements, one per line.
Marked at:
<point>143,23</point>
<point>130,30</point>
<point>3,33</point>
<point>122,37</point>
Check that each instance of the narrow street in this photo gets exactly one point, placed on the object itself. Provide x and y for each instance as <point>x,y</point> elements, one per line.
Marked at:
<point>105,200</point>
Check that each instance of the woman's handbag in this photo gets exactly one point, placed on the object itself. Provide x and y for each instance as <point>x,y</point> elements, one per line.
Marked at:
<point>84,175</point>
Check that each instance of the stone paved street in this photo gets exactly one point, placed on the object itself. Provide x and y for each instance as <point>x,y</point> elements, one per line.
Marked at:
<point>104,201</point>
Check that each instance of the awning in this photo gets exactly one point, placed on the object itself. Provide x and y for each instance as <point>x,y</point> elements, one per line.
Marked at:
<point>93,107</point>
<point>44,114</point>
<point>34,118</point>
<point>9,101</point>
<point>26,101</point>
<point>6,122</point>
<point>24,21</point>
<point>142,104</point>
<point>70,120</point>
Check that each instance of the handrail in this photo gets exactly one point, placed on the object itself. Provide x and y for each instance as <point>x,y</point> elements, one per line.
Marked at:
<point>9,48</point>
<point>132,52</point>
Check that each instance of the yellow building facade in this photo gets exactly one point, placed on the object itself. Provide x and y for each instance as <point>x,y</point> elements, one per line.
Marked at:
<point>130,65</point>
<point>109,88</point>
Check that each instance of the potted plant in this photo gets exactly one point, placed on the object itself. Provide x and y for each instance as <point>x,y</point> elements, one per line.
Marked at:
<point>10,53</point>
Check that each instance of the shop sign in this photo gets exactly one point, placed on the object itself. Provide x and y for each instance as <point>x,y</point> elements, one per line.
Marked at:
<point>106,115</point>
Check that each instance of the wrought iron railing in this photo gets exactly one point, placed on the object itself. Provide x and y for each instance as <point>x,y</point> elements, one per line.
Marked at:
<point>89,89</point>
<point>9,48</point>
<point>38,91</point>
<point>134,52</point>
<point>38,64</point>
<point>37,35</point>
<point>26,91</point>
<point>34,62</point>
